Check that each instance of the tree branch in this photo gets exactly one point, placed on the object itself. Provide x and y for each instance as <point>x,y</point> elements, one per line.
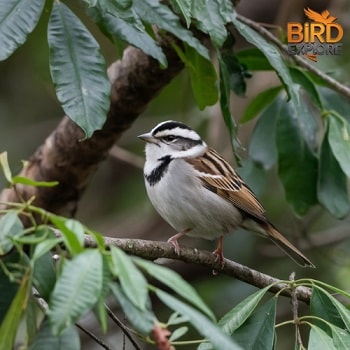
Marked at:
<point>153,250</point>
<point>342,89</point>
<point>136,79</point>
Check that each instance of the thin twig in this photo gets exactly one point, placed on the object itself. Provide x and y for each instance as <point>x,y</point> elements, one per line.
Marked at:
<point>93,336</point>
<point>341,88</point>
<point>295,304</point>
<point>121,325</point>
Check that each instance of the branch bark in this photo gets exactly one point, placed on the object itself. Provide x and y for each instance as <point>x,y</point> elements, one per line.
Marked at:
<point>153,250</point>
<point>136,79</point>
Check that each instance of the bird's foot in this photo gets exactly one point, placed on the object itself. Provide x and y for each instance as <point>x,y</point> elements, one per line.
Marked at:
<point>219,256</point>
<point>173,240</point>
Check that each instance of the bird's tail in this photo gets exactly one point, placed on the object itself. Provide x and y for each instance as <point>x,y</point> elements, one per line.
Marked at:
<point>283,243</point>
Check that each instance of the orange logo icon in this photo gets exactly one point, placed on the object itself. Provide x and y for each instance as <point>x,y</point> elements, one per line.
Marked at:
<point>321,36</point>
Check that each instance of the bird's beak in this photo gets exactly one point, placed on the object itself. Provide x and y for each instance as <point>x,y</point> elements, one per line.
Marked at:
<point>148,138</point>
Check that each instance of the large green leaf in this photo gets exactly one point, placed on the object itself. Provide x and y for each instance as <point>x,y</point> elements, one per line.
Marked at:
<point>211,17</point>
<point>18,18</point>
<point>319,339</point>
<point>322,306</point>
<point>258,331</point>
<point>142,320</point>
<point>156,13</point>
<point>129,31</point>
<point>78,70</point>
<point>204,326</point>
<point>297,165</point>
<point>332,188</point>
<point>262,148</point>
<point>202,75</point>
<point>173,281</point>
<point>133,283</point>
<point>341,338</point>
<point>232,320</point>
<point>45,339</point>
<point>76,291</point>
<point>339,140</point>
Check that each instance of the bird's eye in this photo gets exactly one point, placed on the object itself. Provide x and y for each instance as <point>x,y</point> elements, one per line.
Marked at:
<point>169,138</point>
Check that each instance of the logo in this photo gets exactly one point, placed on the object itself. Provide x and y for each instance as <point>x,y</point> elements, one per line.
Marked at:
<point>320,36</point>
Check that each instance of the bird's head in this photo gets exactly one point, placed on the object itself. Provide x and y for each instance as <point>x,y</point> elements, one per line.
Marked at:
<point>172,139</point>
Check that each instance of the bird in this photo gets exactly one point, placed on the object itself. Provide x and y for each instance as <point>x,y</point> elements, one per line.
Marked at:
<point>199,193</point>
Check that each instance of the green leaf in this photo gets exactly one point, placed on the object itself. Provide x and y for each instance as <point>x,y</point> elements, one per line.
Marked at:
<point>319,339</point>
<point>322,306</point>
<point>78,70</point>
<point>44,275</point>
<point>202,75</point>
<point>333,101</point>
<point>10,227</point>
<point>183,7</point>
<point>301,77</point>
<point>45,339</point>
<point>119,28</point>
<point>332,188</point>
<point>254,59</point>
<point>272,54</point>
<point>237,73</point>
<point>76,291</point>
<point>156,13</point>
<point>339,140</point>
<point>72,233</point>
<point>341,338</point>
<point>133,282</point>
<point>5,167</point>
<point>262,148</point>
<point>258,331</point>
<point>203,325</point>
<point>29,182</point>
<point>142,320</point>
<point>211,17</point>
<point>18,18</point>
<point>178,333</point>
<point>173,281</point>
<point>260,102</point>
<point>11,321</point>
<point>232,320</point>
<point>44,247</point>
<point>297,165</point>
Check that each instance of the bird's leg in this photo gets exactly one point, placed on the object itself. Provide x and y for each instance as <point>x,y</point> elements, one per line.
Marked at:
<point>173,240</point>
<point>218,251</point>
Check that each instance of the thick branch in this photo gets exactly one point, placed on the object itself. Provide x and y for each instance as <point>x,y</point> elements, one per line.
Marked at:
<point>136,79</point>
<point>153,250</point>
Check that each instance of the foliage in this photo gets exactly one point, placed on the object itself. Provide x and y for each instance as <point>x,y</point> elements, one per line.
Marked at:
<point>83,278</point>
<point>303,129</point>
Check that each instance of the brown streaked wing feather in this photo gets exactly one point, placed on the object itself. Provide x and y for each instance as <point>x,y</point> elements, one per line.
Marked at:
<point>227,183</point>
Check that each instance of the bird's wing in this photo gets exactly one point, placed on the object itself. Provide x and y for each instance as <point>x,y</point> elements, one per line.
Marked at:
<point>218,176</point>
<point>313,15</point>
